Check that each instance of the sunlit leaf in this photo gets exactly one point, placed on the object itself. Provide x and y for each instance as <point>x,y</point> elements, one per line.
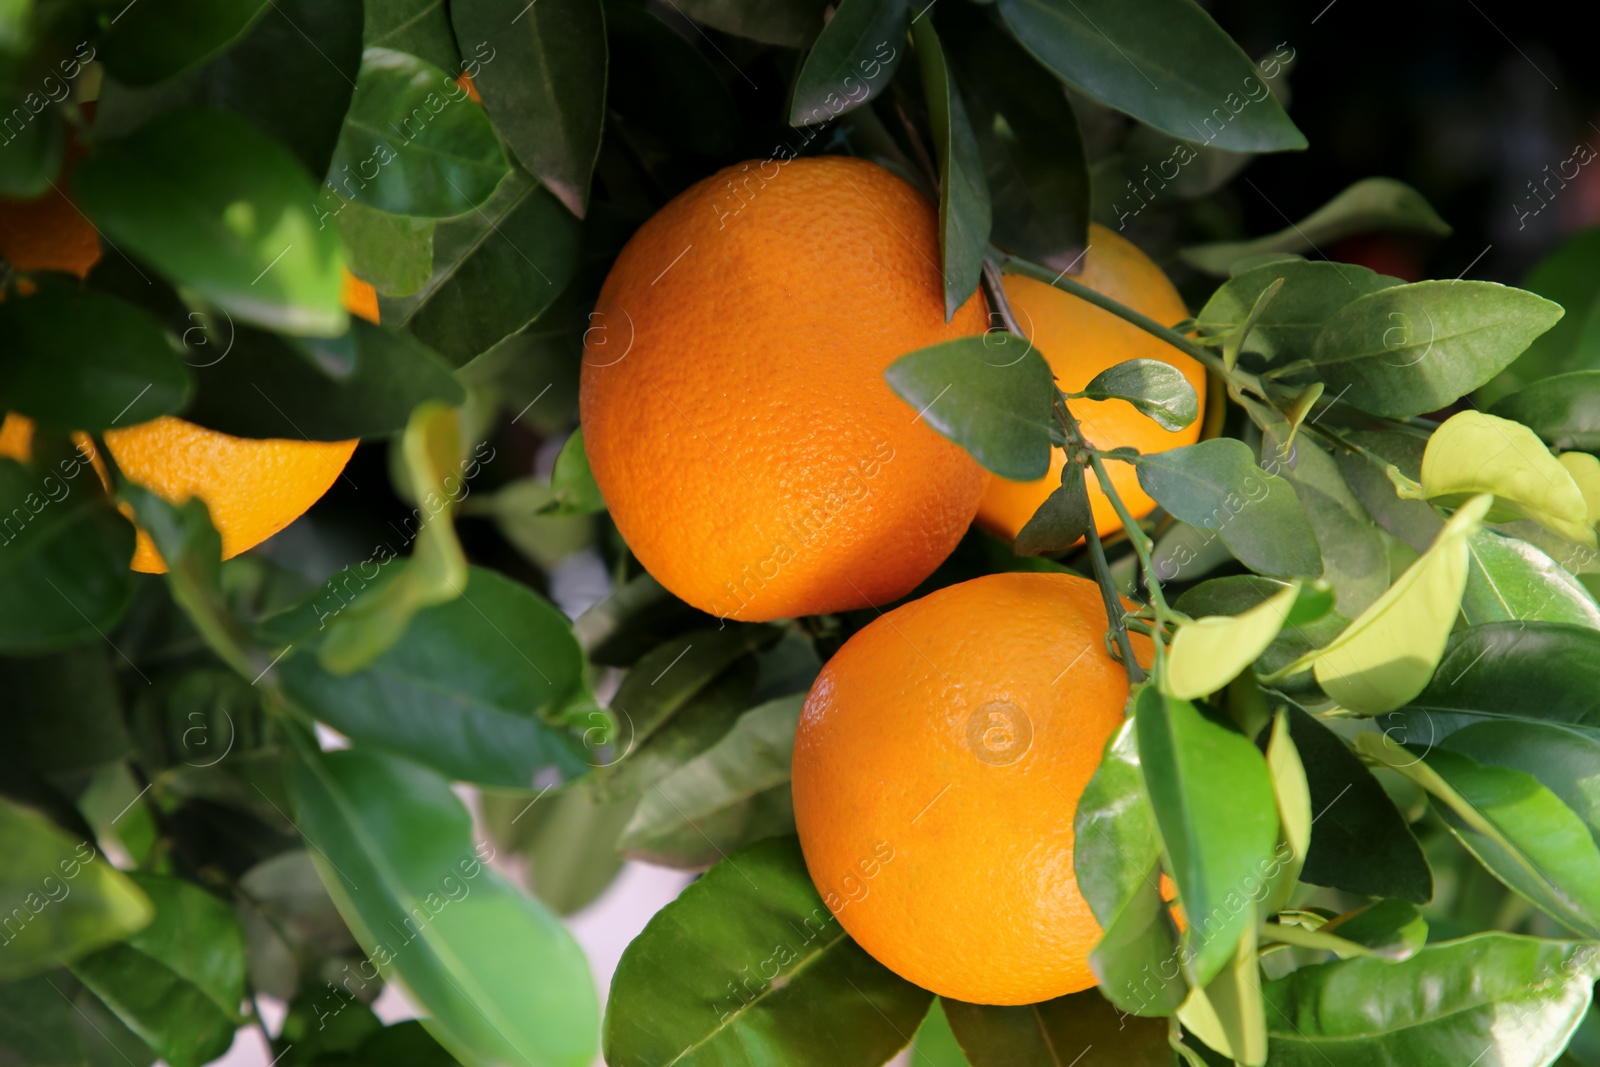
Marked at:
<point>1209,652</point>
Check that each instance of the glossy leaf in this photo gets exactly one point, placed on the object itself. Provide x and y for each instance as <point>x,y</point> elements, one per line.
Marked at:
<point>1211,651</point>
<point>1565,762</point>
<point>1082,1029</point>
<point>749,962</point>
<point>1061,521</point>
<point>495,270</point>
<point>1564,409</point>
<point>853,60</point>
<point>1116,840</point>
<point>1157,389</point>
<point>178,982</point>
<point>414,143</point>
<point>392,253</point>
<point>1393,929</point>
<point>790,23</point>
<point>979,392</point>
<point>1288,326</point>
<point>1213,801</point>
<point>1386,656</point>
<point>546,87</point>
<point>1136,960</point>
<point>420,27</point>
<point>1446,1004</point>
<point>1412,349</point>
<point>964,210</point>
<point>156,39</point>
<point>63,898</point>
<point>1216,485</point>
<point>237,224</point>
<point>1509,580</point>
<point>1369,204</point>
<point>471,688</point>
<point>1163,63</point>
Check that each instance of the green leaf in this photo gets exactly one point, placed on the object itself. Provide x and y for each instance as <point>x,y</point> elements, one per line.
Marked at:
<point>156,39</point>
<point>420,27</point>
<point>1116,842</point>
<point>500,979</point>
<point>664,84</point>
<point>1509,580</point>
<point>1446,1004</point>
<point>1288,326</point>
<point>1136,960</point>
<point>1565,762</point>
<point>1564,409</point>
<point>1165,63</point>
<point>981,394</point>
<point>1354,558</point>
<point>236,224</point>
<point>715,794</point>
<point>546,90</point>
<point>64,554</point>
<point>573,482</point>
<point>1082,1029</point>
<point>1213,802</point>
<point>63,710</point>
<point>178,982</point>
<point>1030,144</point>
<point>32,158</point>
<point>1517,828</point>
<point>123,371</point>
<point>495,270</point>
<point>267,386</point>
<point>38,1026</point>
<point>1061,521</point>
<point>1393,929</point>
<point>1386,656</point>
<point>848,64</point>
<point>638,615</point>
<point>1414,522</point>
<point>1157,389</point>
<point>470,689</point>
<point>406,1044</point>
<point>1211,651</point>
<point>1359,841</point>
<point>413,142</point>
<point>1228,1014</point>
<point>934,1044</point>
<point>392,253</point>
<point>1411,349</point>
<point>1370,204</point>
<point>1311,625</point>
<point>567,839</point>
<point>964,211</point>
<point>63,899</point>
<point>1216,485</point>
<point>1474,453</point>
<point>748,957</point>
<point>790,23</point>
<point>1566,276</point>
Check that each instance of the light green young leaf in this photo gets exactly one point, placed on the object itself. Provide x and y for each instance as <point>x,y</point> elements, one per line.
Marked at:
<point>572,481</point>
<point>1210,652</point>
<point>1228,1014</point>
<point>1290,787</point>
<point>1474,453</point>
<point>1386,656</point>
<point>1585,471</point>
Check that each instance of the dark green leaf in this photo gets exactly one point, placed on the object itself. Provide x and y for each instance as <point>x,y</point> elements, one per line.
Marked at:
<point>748,957</point>
<point>156,39</point>
<point>32,158</point>
<point>392,253</point>
<point>38,1026</point>
<point>1157,389</point>
<point>1394,929</point>
<point>1082,1029</point>
<point>1354,559</point>
<point>62,898</point>
<point>566,838</point>
<point>64,555</point>
<point>406,1044</point>
<point>1445,1005</point>
<point>1061,521</point>
<point>964,212</point>
<point>790,23</point>
<point>572,482</point>
<point>1165,63</point>
<point>1413,521</point>
<point>853,60</point>
<point>1564,409</point>
<point>1568,277</point>
<point>63,710</point>
<point>494,271</point>
<point>1509,580</point>
<point>1412,349</point>
<point>1216,485</point>
<point>979,392</point>
<point>1288,326</point>
<point>1213,801</point>
<point>266,387</point>
<point>546,88</point>
<point>178,982</point>
<point>1369,204</point>
<point>662,83</point>
<point>236,223</point>
<point>1359,841</point>
<point>470,689</point>
<point>420,27</point>
<point>500,978</point>
<point>414,143</point>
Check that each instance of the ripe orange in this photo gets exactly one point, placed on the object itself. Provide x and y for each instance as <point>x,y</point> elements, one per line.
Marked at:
<point>733,403</point>
<point>1079,341</point>
<point>937,769</point>
<point>253,488</point>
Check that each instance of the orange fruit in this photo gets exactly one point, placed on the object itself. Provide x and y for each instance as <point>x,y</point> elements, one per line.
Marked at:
<point>937,769</point>
<point>1079,341</point>
<point>732,397</point>
<point>253,488</point>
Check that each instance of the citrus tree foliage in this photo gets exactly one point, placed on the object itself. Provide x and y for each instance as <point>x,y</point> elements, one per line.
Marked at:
<point>1363,757</point>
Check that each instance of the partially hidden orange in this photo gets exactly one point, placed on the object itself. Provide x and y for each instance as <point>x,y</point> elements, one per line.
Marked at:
<point>937,769</point>
<point>1079,341</point>
<point>733,403</point>
<point>252,487</point>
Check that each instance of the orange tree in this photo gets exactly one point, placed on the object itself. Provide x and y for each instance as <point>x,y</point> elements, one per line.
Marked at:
<point>1261,694</point>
